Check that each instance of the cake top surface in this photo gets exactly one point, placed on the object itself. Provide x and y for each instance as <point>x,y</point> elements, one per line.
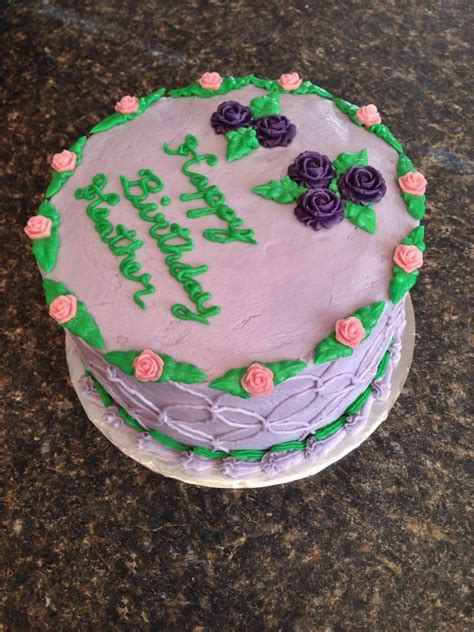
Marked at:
<point>278,273</point>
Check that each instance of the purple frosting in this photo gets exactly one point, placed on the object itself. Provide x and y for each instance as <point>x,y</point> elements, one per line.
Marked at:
<point>362,185</point>
<point>229,116</point>
<point>311,169</point>
<point>274,131</point>
<point>319,208</point>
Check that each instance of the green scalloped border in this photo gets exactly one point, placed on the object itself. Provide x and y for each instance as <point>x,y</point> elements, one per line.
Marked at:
<point>245,454</point>
<point>416,207</point>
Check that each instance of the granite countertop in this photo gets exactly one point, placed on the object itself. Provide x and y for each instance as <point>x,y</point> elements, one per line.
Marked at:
<point>93,541</point>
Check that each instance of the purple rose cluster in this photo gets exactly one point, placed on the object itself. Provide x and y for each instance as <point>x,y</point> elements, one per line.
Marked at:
<point>319,207</point>
<point>274,130</point>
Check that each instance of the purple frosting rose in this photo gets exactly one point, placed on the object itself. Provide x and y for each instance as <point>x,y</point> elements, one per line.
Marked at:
<point>362,185</point>
<point>311,169</point>
<point>319,208</point>
<point>229,116</point>
<point>274,130</point>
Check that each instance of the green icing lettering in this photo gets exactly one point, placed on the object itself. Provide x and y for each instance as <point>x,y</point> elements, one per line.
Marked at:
<point>211,195</point>
<point>122,242</point>
<point>172,243</point>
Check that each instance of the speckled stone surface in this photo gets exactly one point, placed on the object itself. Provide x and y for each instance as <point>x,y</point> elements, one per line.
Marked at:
<point>93,541</point>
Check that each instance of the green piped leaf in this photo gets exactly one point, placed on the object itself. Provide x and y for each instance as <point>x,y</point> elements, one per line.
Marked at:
<point>230,383</point>
<point>383,132</point>
<point>310,88</point>
<point>152,98</point>
<point>285,369</point>
<point>48,209</point>
<point>350,159</point>
<point>348,108</point>
<point>241,142</point>
<point>330,349</point>
<point>416,204</point>
<point>265,106</point>
<point>112,121</point>
<point>401,283</point>
<point>58,180</point>
<point>362,216</point>
<point>284,191</point>
<point>78,148</point>
<point>416,238</point>
<point>404,165</point>
<point>53,289</point>
<point>46,251</point>
<point>84,326</point>
<point>122,360</point>
<point>369,315</point>
<point>180,371</point>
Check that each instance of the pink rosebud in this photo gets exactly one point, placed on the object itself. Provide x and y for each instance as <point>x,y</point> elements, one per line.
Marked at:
<point>257,380</point>
<point>349,331</point>
<point>65,161</point>
<point>63,308</point>
<point>148,366</point>
<point>290,81</point>
<point>38,227</point>
<point>413,182</point>
<point>368,115</point>
<point>408,258</point>
<point>210,81</point>
<point>127,105</point>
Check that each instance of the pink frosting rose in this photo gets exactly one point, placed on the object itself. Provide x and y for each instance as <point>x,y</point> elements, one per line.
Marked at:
<point>408,258</point>
<point>210,81</point>
<point>368,115</point>
<point>349,331</point>
<point>127,105</point>
<point>290,81</point>
<point>38,227</point>
<point>413,182</point>
<point>63,308</point>
<point>148,366</point>
<point>65,161</point>
<point>257,380</point>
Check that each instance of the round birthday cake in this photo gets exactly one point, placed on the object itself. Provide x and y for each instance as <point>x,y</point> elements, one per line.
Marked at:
<point>230,261</point>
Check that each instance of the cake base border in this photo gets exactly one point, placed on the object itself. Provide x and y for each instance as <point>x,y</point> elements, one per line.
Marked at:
<point>125,438</point>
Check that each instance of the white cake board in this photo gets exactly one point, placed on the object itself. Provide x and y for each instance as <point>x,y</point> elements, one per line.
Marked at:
<point>125,438</point>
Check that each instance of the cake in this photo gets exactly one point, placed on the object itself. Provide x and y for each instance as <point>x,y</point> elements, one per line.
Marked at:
<point>230,260</point>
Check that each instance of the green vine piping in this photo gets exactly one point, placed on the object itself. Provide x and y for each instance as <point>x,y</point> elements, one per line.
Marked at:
<point>172,371</point>
<point>123,242</point>
<point>403,281</point>
<point>119,119</point>
<point>83,324</point>
<point>230,382</point>
<point>330,349</point>
<point>45,250</point>
<point>59,178</point>
<point>248,454</point>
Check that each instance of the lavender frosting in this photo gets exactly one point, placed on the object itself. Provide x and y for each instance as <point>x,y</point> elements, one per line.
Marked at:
<point>199,416</point>
<point>278,298</point>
